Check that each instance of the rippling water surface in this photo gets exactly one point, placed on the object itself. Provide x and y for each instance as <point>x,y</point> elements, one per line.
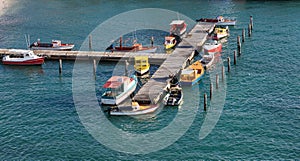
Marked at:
<point>260,118</point>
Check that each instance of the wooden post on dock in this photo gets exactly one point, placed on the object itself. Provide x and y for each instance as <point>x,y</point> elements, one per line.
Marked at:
<point>243,35</point>
<point>210,91</point>
<point>126,67</point>
<point>217,81</point>
<point>249,30</point>
<point>228,64</point>
<point>90,42</point>
<point>234,57</point>
<point>223,73</point>
<point>205,101</point>
<point>94,66</point>
<point>239,45</point>
<point>60,66</point>
<point>251,23</point>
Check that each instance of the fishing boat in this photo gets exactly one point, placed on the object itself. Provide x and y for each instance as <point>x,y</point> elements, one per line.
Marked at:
<point>117,89</point>
<point>141,65</point>
<point>177,27</point>
<point>212,46</point>
<point>174,97</point>
<point>53,45</point>
<point>170,42</point>
<point>136,47</point>
<point>24,57</point>
<point>207,60</point>
<point>219,20</point>
<point>134,110</point>
<point>192,74</point>
<point>220,32</point>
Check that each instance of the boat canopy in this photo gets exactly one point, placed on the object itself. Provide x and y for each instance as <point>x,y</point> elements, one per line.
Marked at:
<point>169,38</point>
<point>115,82</point>
<point>187,72</point>
<point>177,22</point>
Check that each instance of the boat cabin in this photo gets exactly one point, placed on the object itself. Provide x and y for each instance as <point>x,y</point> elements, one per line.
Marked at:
<point>220,18</point>
<point>56,43</point>
<point>188,75</point>
<point>177,27</point>
<point>115,86</point>
<point>141,62</point>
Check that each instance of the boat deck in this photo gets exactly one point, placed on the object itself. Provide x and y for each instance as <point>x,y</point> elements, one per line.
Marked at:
<point>153,90</point>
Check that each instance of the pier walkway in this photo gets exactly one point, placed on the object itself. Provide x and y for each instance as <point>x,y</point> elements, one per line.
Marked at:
<point>153,90</point>
<point>154,58</point>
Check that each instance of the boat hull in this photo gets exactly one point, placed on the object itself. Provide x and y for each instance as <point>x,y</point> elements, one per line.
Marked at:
<point>191,83</point>
<point>141,71</point>
<point>212,48</point>
<point>151,109</point>
<point>18,61</point>
<point>131,49</point>
<point>61,48</point>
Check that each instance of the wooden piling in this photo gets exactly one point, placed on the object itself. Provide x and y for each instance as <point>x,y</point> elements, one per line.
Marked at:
<point>126,67</point>
<point>251,23</point>
<point>234,57</point>
<point>205,102</point>
<point>94,66</point>
<point>217,81</point>
<point>60,66</point>
<point>210,91</point>
<point>243,35</point>
<point>228,64</point>
<point>223,73</point>
<point>90,42</point>
<point>249,30</point>
<point>239,45</point>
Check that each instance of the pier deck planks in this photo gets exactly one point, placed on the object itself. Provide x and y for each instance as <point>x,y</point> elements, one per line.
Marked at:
<point>153,90</point>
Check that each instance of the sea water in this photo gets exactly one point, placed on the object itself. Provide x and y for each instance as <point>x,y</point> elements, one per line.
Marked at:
<point>259,119</point>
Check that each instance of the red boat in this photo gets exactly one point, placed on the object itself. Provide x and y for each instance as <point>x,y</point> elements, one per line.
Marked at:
<point>25,57</point>
<point>212,46</point>
<point>134,48</point>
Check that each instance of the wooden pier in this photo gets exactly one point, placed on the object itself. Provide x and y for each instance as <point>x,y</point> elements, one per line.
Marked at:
<point>153,90</point>
<point>154,58</point>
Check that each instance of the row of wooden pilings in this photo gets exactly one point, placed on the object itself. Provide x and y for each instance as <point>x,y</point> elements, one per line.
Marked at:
<point>239,51</point>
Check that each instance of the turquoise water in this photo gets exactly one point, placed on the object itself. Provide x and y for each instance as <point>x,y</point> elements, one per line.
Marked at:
<point>260,118</point>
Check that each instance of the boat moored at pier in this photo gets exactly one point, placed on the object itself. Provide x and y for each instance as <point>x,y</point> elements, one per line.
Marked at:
<point>117,89</point>
<point>24,57</point>
<point>54,45</point>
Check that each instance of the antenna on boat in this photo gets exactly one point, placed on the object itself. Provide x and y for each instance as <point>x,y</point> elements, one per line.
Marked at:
<point>177,16</point>
<point>27,39</point>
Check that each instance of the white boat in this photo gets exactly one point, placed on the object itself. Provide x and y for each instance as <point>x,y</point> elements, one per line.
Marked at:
<point>174,97</point>
<point>225,22</point>
<point>219,20</point>
<point>212,46</point>
<point>177,27</point>
<point>207,60</point>
<point>54,45</point>
<point>134,110</point>
<point>25,57</point>
<point>117,89</point>
<point>141,64</point>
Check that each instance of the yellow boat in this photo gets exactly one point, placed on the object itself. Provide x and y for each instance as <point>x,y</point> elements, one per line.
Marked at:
<point>220,32</point>
<point>192,74</point>
<point>141,64</point>
<point>170,42</point>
